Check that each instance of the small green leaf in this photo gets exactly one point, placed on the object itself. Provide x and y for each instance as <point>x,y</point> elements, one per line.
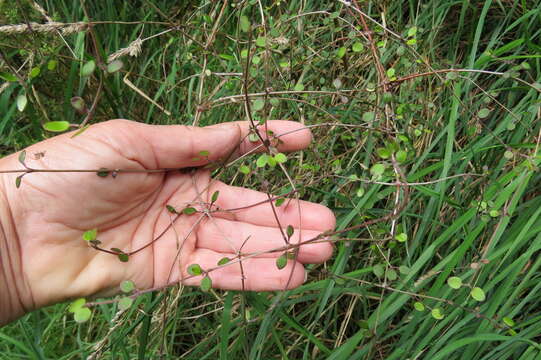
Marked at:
<point>451,76</point>
<point>82,315</point>
<point>90,235</point>
<point>223,261</point>
<point>454,282</point>
<point>51,65</point>
<point>206,284</point>
<point>378,270</point>
<point>508,321</point>
<point>56,126</point>
<point>103,172</point>
<point>403,269</point>
<point>494,213</point>
<point>402,237</point>
<point>127,286</point>
<point>76,305</point>
<point>114,66</point>
<point>244,23</point>
<point>392,275</point>
<point>22,101</point>
<point>271,161</point>
<point>261,41</point>
<point>22,157</point>
<point>478,294</point>
<point>279,202</point>
<point>34,73</point>
<point>194,270</point>
<point>412,31</point>
<point>8,77</point>
<point>281,261</point>
<point>280,158</point>
<point>171,209</point>
<point>125,303</point>
<point>189,211</point>
<point>258,104</point>
<point>244,169</point>
<point>383,153</point>
<point>262,160</point>
<point>419,306</point>
<point>88,68</point>
<point>341,52</point>
<point>360,192</point>
<point>437,314</point>
<point>123,257</point>
<point>214,196</point>
<point>508,155</point>
<point>401,156</point>
<point>483,113</point>
<point>391,72</point>
<point>289,231</point>
<point>298,87</point>
<point>357,47</point>
<point>377,169</point>
<point>369,116</point>
<point>18,181</point>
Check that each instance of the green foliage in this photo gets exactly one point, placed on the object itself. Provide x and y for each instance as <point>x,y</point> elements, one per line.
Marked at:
<point>194,270</point>
<point>56,126</point>
<point>438,127</point>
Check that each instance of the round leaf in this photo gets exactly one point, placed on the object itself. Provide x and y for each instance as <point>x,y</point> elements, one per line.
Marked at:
<point>56,126</point>
<point>392,275</point>
<point>454,282</point>
<point>206,284</point>
<point>478,294</point>
<point>76,305</point>
<point>483,113</point>
<point>125,303</point>
<point>261,41</point>
<point>281,262</point>
<point>258,104</point>
<point>114,66</point>
<point>402,237</point>
<point>127,286</point>
<point>437,314</point>
<point>280,158</point>
<point>244,23</point>
<point>262,160</point>
<point>419,306</point>
<point>22,100</point>
<point>88,68</point>
<point>195,270</point>
<point>90,235</point>
<point>82,315</point>
<point>377,169</point>
<point>378,270</point>
<point>244,169</point>
<point>357,47</point>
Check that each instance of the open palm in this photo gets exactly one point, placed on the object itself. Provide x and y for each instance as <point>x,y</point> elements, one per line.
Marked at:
<point>50,212</point>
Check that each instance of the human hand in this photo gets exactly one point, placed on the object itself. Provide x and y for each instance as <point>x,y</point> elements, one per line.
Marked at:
<point>45,259</point>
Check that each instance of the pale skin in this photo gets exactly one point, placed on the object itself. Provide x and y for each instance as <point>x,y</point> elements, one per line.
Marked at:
<point>43,259</point>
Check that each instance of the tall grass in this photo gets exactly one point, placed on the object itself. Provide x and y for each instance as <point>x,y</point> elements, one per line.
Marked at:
<point>319,65</point>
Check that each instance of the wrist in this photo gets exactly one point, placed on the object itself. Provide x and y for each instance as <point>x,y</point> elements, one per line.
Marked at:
<point>15,298</point>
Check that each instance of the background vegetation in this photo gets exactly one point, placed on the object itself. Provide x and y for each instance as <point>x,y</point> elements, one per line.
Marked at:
<point>456,275</point>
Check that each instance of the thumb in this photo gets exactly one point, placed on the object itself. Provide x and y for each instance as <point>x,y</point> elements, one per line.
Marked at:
<point>186,146</point>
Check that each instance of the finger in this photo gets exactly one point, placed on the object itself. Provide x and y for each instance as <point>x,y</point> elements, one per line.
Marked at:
<point>260,274</point>
<point>239,204</point>
<point>224,236</point>
<point>186,146</point>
